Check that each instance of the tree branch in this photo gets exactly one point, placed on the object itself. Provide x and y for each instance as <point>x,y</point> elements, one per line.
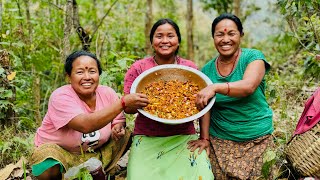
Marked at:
<point>60,8</point>
<point>100,23</point>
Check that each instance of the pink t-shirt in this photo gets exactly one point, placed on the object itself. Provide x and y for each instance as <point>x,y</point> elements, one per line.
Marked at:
<point>144,125</point>
<point>64,105</point>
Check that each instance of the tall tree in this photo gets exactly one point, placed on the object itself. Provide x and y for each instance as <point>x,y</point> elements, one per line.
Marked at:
<point>236,8</point>
<point>190,54</point>
<point>36,78</point>
<point>148,24</point>
<point>0,14</point>
<point>67,28</point>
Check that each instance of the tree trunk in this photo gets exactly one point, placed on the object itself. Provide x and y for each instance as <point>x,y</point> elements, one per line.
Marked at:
<point>36,79</point>
<point>190,54</point>
<point>67,29</point>
<point>68,22</point>
<point>36,96</point>
<point>237,8</point>
<point>148,24</point>
<point>75,15</point>
<point>29,26</point>
<point>0,14</point>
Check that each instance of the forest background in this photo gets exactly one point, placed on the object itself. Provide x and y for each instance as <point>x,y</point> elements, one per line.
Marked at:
<point>37,35</point>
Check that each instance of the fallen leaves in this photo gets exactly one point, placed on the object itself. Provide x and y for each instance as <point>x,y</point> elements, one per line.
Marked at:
<point>15,171</point>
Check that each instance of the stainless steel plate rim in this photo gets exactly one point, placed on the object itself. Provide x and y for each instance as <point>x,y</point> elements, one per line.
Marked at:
<point>175,66</point>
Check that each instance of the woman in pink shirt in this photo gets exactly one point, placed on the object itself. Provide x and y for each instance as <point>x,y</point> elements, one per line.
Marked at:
<point>81,118</point>
<point>160,151</point>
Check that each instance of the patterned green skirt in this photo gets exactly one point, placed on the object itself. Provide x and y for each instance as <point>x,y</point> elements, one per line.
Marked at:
<point>168,158</point>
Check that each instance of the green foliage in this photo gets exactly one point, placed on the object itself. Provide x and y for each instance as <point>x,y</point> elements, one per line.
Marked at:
<point>83,174</point>
<point>284,93</point>
<point>222,6</point>
<point>117,65</point>
<point>38,54</point>
<point>170,11</point>
<point>24,170</point>
<point>227,6</point>
<point>14,144</point>
<point>304,20</point>
<point>293,76</point>
<point>31,52</point>
<point>6,93</point>
<point>269,159</point>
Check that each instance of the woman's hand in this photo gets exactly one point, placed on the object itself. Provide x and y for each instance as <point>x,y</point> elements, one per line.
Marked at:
<point>118,131</point>
<point>202,144</point>
<point>135,101</point>
<point>204,95</point>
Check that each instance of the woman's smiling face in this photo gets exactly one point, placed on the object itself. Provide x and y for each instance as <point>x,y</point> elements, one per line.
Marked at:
<point>84,76</point>
<point>165,40</point>
<point>226,37</point>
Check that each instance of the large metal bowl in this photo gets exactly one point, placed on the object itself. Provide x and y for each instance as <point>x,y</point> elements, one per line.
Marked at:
<point>172,72</point>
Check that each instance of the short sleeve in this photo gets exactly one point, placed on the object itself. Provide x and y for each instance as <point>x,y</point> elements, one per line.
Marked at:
<point>207,68</point>
<point>130,76</point>
<point>62,108</point>
<point>255,54</point>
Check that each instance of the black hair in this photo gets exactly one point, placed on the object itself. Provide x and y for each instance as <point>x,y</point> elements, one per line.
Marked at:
<point>165,21</point>
<point>223,16</point>
<point>73,56</point>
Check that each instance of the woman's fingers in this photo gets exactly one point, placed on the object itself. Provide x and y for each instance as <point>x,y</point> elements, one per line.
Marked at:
<point>208,151</point>
<point>195,144</point>
<point>200,149</point>
<point>203,96</point>
<point>201,101</point>
<point>118,133</point>
<point>136,100</point>
<point>190,144</point>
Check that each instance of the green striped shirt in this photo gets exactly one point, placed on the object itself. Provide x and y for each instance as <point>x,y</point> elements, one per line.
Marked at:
<point>245,118</point>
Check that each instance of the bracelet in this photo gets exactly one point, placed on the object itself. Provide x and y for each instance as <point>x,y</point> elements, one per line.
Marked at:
<point>201,138</point>
<point>228,89</point>
<point>123,104</point>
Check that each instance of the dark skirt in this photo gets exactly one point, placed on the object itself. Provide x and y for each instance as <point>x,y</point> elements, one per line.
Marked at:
<point>238,160</point>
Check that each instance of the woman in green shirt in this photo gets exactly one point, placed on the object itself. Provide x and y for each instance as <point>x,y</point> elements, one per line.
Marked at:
<point>241,119</point>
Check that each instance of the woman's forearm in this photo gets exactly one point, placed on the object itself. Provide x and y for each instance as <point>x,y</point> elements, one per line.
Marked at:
<point>86,123</point>
<point>204,126</point>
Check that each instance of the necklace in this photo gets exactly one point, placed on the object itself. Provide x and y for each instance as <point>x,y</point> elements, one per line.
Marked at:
<point>233,64</point>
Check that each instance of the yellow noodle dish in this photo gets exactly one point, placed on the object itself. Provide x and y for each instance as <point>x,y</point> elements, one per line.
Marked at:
<point>171,99</point>
<point>171,90</point>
